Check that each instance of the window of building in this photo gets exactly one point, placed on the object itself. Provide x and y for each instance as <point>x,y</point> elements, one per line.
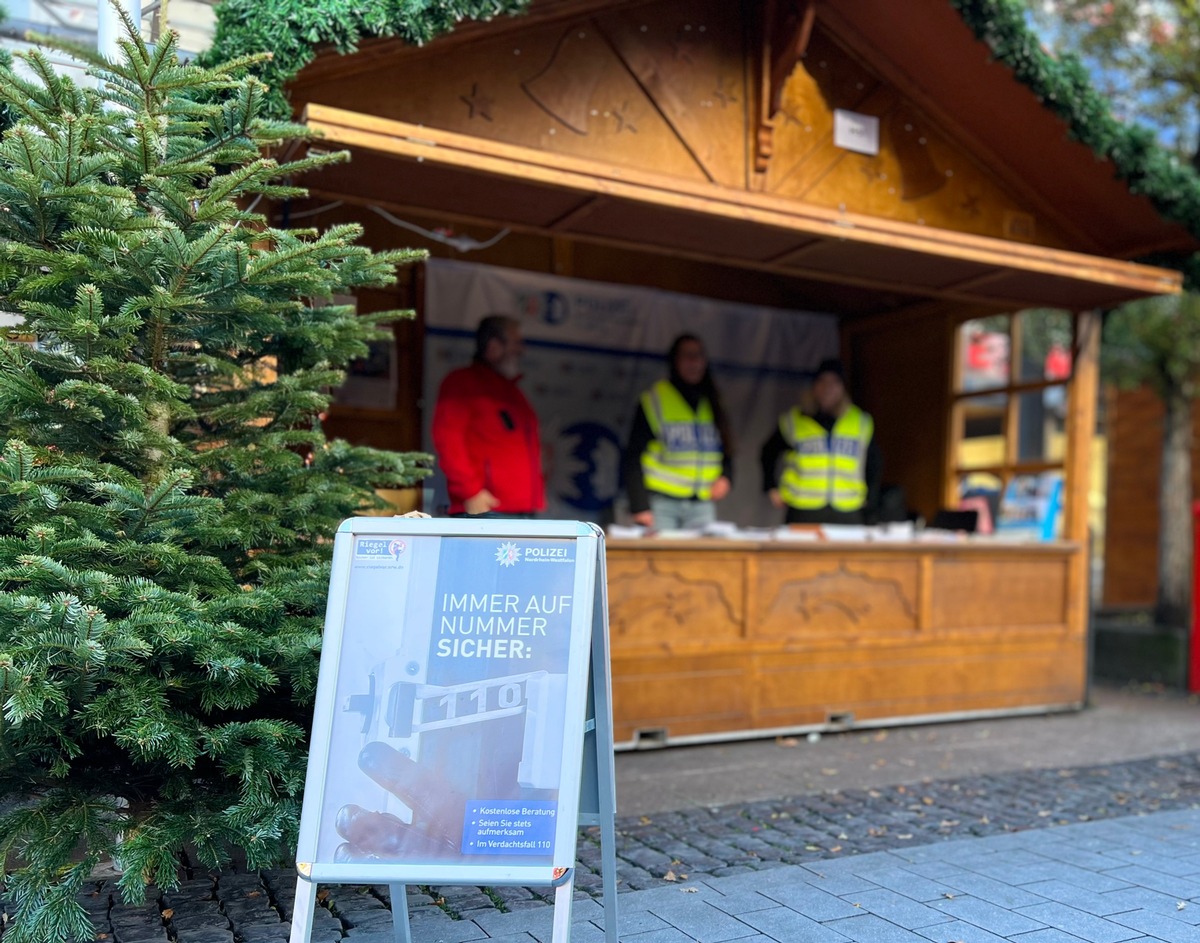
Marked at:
<point>1009,413</point>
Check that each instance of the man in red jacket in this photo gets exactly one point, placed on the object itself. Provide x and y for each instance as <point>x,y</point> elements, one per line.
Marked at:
<point>486,433</point>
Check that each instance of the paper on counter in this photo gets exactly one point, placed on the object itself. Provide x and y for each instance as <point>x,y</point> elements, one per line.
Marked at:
<point>626,532</point>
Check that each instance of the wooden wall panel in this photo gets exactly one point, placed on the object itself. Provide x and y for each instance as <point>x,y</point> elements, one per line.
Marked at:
<point>839,688</point>
<point>969,593</point>
<point>1134,423</point>
<point>900,373</point>
<point>687,695</point>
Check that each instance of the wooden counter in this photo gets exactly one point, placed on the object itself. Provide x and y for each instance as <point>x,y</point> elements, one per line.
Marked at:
<point>718,639</point>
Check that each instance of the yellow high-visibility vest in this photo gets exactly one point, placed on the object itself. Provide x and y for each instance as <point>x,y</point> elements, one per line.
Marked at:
<point>826,469</point>
<point>684,457</point>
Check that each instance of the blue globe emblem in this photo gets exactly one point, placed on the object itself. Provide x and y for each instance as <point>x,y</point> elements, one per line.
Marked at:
<point>590,475</point>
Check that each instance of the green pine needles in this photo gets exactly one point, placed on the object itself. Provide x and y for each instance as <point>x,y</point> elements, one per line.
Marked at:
<point>167,497</point>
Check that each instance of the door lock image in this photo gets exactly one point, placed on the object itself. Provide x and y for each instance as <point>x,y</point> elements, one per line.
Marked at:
<point>398,711</point>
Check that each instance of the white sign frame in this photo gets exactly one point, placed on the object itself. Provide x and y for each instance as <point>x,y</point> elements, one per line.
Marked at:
<point>586,733</point>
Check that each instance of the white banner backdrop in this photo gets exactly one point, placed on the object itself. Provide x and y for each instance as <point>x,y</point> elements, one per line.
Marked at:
<point>591,348</point>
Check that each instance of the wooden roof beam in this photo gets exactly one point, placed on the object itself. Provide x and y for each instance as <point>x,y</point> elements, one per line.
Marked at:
<point>672,195</point>
<point>786,27</point>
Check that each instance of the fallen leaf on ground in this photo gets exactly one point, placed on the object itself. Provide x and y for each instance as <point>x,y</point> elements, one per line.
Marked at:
<point>786,742</point>
<point>670,876</point>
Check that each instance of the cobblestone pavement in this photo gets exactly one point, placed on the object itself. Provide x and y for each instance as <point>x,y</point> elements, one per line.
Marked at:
<point>672,850</point>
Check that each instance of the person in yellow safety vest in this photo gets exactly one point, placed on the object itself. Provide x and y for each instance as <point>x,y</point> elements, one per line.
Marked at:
<point>679,458</point>
<point>831,469</point>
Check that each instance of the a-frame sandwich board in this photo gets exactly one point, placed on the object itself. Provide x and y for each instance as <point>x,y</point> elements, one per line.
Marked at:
<point>462,728</point>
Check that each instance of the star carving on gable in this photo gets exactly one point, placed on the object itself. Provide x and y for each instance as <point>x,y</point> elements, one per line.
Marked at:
<point>685,44</point>
<point>725,95</point>
<point>621,116</point>
<point>477,102</point>
<point>790,117</point>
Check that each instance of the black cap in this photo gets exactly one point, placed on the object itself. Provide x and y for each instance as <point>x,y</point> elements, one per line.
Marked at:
<point>834,366</point>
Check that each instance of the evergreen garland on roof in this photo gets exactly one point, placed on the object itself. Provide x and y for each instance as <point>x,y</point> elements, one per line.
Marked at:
<point>293,30</point>
<point>1062,84</point>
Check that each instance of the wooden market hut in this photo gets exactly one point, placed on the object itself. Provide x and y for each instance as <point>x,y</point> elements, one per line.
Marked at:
<point>725,149</point>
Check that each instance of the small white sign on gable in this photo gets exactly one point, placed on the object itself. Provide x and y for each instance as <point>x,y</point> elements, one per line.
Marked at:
<point>856,132</point>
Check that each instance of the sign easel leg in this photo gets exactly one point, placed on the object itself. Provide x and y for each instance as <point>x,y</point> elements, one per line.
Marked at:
<point>302,911</point>
<point>399,894</point>
<point>564,898</point>
<point>608,873</point>
<point>600,701</point>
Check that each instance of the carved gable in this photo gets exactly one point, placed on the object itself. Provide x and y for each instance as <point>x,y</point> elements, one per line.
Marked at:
<point>676,88</point>
<point>919,174</point>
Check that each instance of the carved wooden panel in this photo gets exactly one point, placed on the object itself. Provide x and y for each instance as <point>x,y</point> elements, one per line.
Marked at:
<point>970,593</point>
<point>804,595</point>
<point>689,57</point>
<point>667,599</point>
<point>831,638</point>
<point>660,91</point>
<point>919,175</point>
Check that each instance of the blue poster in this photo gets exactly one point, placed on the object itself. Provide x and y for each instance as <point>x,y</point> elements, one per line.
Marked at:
<point>447,732</point>
<point>1031,508</point>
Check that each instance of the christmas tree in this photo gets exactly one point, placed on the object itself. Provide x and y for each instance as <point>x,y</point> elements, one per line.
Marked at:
<point>167,496</point>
